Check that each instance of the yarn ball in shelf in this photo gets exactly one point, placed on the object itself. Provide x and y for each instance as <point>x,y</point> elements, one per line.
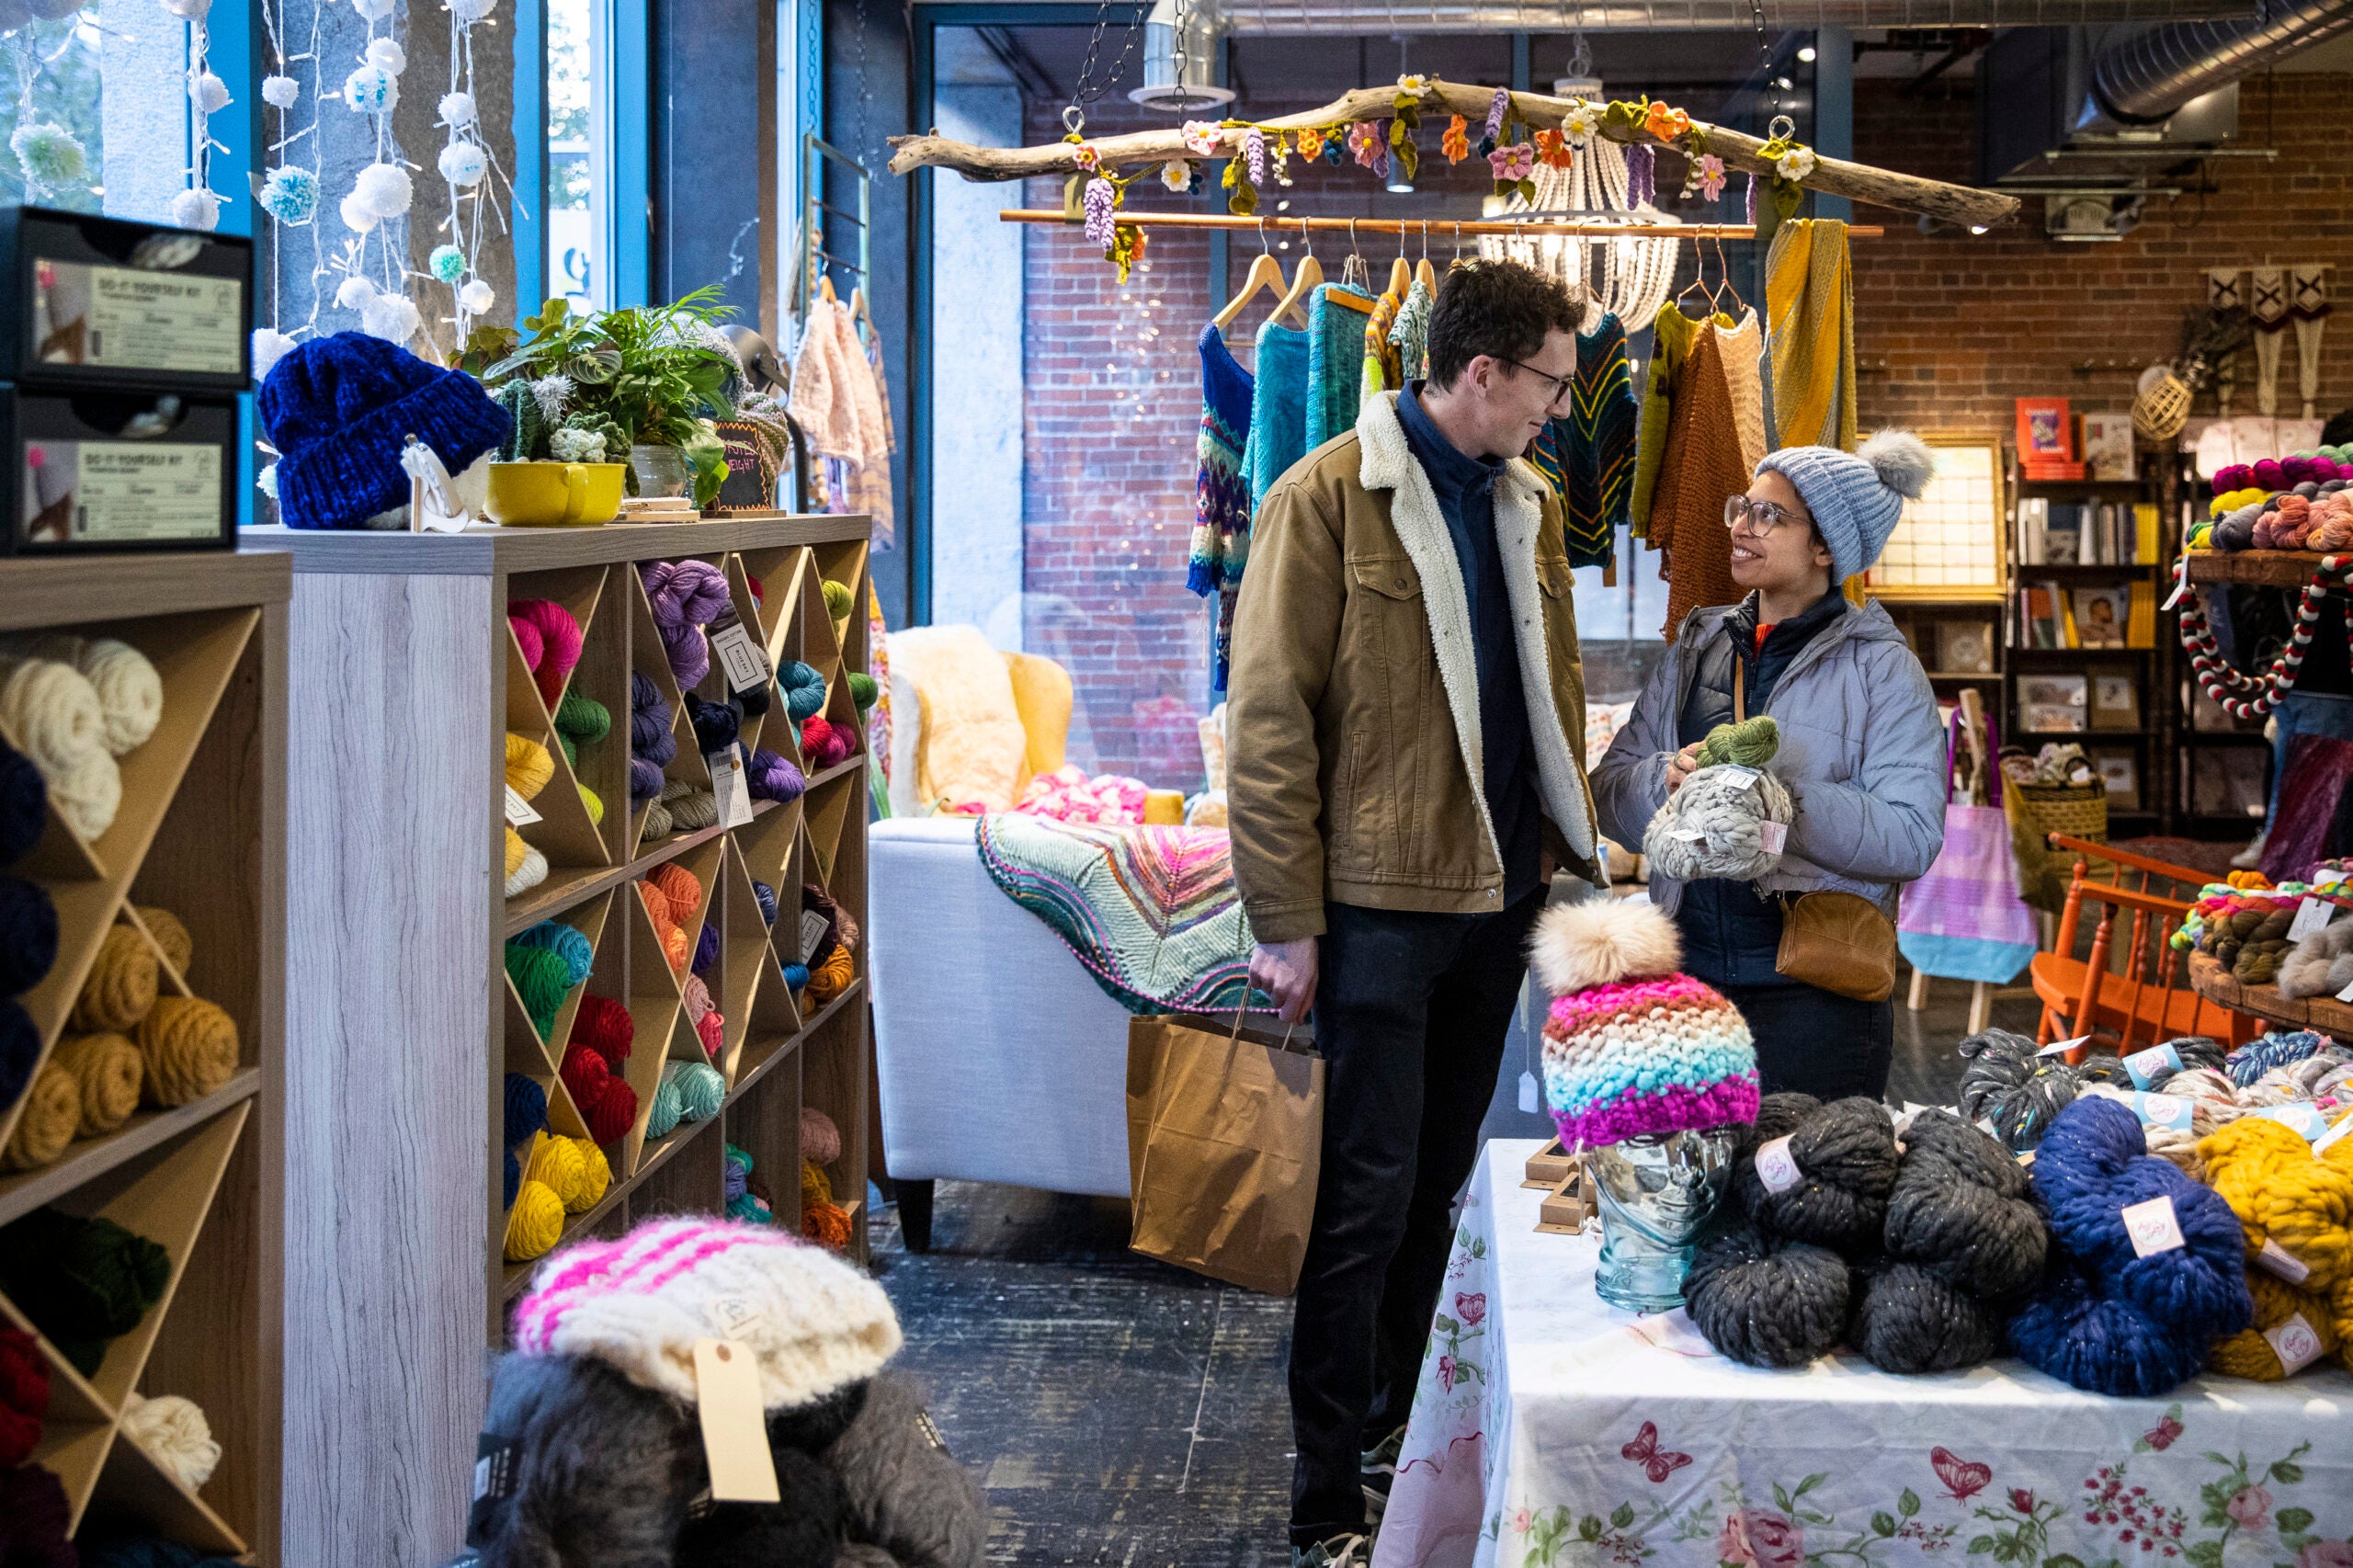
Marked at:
<point>171,935</point>
<point>1961,1210</point>
<point>593,803</point>
<point>735,1173</point>
<point>583,719</point>
<point>23,800</point>
<point>19,1051</point>
<point>108,1072</point>
<point>556,1163</point>
<point>24,1396</point>
<point>528,873</point>
<point>608,1103</point>
<point>175,1435</point>
<point>28,935</point>
<point>605,1026</point>
<point>831,978</point>
<point>33,1502</point>
<point>684,593</point>
<point>526,1107</point>
<point>528,765</point>
<point>645,781</point>
<point>650,718</point>
<point>120,987</point>
<point>803,688</point>
<point>701,1089</point>
<point>190,1047</point>
<point>712,1031</point>
<point>837,598</point>
<point>596,1178</point>
<point>527,641</point>
<point>2255,1350</point>
<point>820,1140</point>
<point>862,690</point>
<point>827,1225</point>
<point>696,996</point>
<point>129,692</point>
<point>691,809</point>
<point>716,723</point>
<point>766,895</point>
<point>706,948</point>
<point>825,743</point>
<point>2284,1197</point>
<point>840,929</point>
<point>662,1117</point>
<point>815,1186</point>
<point>770,777</point>
<point>1908,1320</point>
<point>45,1123</point>
<point>567,942</point>
<point>2006,1083</point>
<point>516,851</point>
<point>535,1224</point>
<point>1844,1153</point>
<point>83,1282</point>
<point>55,714</point>
<point>559,638</point>
<point>658,822</point>
<point>542,978</point>
<point>796,977</point>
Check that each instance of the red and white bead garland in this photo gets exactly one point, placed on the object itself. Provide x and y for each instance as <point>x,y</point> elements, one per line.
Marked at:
<point>2251,697</point>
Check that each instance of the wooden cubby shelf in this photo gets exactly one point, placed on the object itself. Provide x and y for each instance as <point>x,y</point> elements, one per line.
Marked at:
<point>413,680</point>
<point>201,832</point>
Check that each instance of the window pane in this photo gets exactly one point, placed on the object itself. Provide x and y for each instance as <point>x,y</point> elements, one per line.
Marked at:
<point>576,164</point>
<point>56,99</point>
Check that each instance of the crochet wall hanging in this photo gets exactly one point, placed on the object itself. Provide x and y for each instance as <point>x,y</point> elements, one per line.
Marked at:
<point>2278,298</point>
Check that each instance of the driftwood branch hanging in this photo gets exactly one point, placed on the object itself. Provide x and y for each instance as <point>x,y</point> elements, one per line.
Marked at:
<point>1831,176</point>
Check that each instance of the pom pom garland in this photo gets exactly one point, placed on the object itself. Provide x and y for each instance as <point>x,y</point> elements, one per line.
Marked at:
<point>281,92</point>
<point>446,263</point>
<point>209,93</point>
<point>392,317</point>
<point>388,55</point>
<point>476,298</point>
<point>371,89</point>
<point>462,162</point>
<point>457,110</point>
<point>290,196</point>
<point>51,155</point>
<point>359,220</point>
<point>354,291</point>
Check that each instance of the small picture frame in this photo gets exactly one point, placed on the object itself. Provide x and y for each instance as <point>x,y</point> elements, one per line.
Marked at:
<point>2053,704</point>
<point>2115,700</point>
<point>2103,616</point>
<point>1965,647</point>
<point>2108,446</point>
<point>2119,769</point>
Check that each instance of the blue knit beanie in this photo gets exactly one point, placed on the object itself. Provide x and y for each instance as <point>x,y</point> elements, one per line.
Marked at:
<point>339,410</point>
<point>1856,497</point>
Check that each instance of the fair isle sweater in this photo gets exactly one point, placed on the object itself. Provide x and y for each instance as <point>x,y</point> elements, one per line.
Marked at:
<point>1220,543</point>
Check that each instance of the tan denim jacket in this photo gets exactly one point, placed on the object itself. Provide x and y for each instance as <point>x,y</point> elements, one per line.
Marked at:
<point>1353,747</point>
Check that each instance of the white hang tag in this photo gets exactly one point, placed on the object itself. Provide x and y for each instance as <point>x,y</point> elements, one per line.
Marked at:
<point>2327,877</point>
<point>1689,835</point>
<point>2294,1343</point>
<point>812,931</point>
<point>2180,582</point>
<point>2153,1226</point>
<point>1776,1166</point>
<point>440,511</point>
<point>2144,1065</point>
<point>2344,1125</point>
<point>2163,1110</point>
<point>728,788</point>
<point>734,1432</point>
<point>2345,995</point>
<point>518,810</point>
<point>1742,775</point>
<point>742,661</point>
<point>1772,836</point>
<point>2060,1047</point>
<point>2313,916</point>
<point>2304,1119</point>
<point>1527,1092</point>
<point>2278,1260</point>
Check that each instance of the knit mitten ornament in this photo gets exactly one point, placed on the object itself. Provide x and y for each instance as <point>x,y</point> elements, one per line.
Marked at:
<point>1630,1046</point>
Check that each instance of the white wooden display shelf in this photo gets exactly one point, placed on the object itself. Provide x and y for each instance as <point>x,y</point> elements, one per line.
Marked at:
<point>413,680</point>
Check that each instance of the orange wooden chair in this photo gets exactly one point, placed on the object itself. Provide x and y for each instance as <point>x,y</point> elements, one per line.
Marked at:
<point>2082,996</point>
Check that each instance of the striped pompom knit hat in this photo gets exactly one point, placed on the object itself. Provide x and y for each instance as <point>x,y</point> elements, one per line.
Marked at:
<point>1631,1046</point>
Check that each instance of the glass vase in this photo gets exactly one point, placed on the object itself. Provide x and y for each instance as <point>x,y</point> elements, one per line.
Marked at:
<point>662,471</point>
<point>1656,1194</point>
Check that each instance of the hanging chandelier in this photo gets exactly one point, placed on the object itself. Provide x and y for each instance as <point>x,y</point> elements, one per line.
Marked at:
<point>1624,276</point>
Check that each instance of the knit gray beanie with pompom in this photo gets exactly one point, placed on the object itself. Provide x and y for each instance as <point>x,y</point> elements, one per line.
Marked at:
<point>1856,497</point>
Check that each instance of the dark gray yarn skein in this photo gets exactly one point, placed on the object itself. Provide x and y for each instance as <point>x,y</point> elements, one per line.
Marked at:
<point>1845,1156</point>
<point>1908,1320</point>
<point>2006,1083</point>
<point>1766,1303</point>
<point>2101,1067</point>
<point>1963,1210</point>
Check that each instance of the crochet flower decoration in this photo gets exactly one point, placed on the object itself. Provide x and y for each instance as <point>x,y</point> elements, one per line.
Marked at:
<point>1665,123</point>
<point>1552,150</point>
<point>1513,163</point>
<point>1098,199</point>
<point>1456,143</point>
<point>1712,175</point>
<point>1795,163</point>
<point>1581,120</point>
<point>1496,112</point>
<point>1282,161</point>
<point>1414,84</point>
<point>1203,136</point>
<point>1086,157</point>
<point>1365,142</point>
<point>1310,144</point>
<point>1254,153</point>
<point>1177,174</point>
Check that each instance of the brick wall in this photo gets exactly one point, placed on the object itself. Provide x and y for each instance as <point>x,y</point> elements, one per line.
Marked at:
<point>1963,324</point>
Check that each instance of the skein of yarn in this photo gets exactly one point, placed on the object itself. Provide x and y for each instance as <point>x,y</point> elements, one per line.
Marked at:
<point>826,743</point>
<point>605,1026</point>
<point>766,895</point>
<point>837,598</point>
<point>1751,743</point>
<point>769,777</point>
<point>658,822</point>
<point>541,979</point>
<point>701,1089</point>
<point>171,935</point>
<point>1843,1157</point>
<point>45,1121</point>
<point>1909,1320</point>
<point>716,724</point>
<point>528,872</point>
<point>862,690</point>
<point>2292,1330</point>
<point>706,948</point>
<point>596,1178</point>
<point>526,1107</point>
<point>1766,1303</point>
<point>607,1102</point>
<point>129,692</point>
<point>803,688</point>
<point>559,638</point>
<point>120,987</point>
<point>1714,826</point>
<point>691,809</point>
<point>190,1047</point>
<point>28,935</point>
<point>24,1396</point>
<point>2296,1209</point>
<point>686,597</point>
<point>83,1282</point>
<point>645,781</point>
<point>662,1117</point>
<point>2253,1059</point>
<point>54,713</point>
<point>1962,1210</point>
<point>831,978</point>
<point>712,1031</point>
<point>528,765</point>
<point>174,1434</point>
<point>582,719</point>
<point>2096,1342</point>
<point>821,1140</point>
<point>24,805</point>
<point>2007,1085</point>
<point>568,943</point>
<point>108,1072</point>
<point>535,1224</point>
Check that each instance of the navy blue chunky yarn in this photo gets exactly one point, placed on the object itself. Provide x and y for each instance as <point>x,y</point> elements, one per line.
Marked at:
<point>339,409</point>
<point>2096,1342</point>
<point>19,1051</point>
<point>2092,1165</point>
<point>526,1107</point>
<point>28,935</point>
<point>22,802</point>
<point>1766,1303</point>
<point>766,895</point>
<point>707,947</point>
<point>716,724</point>
<point>514,1179</point>
<point>1845,1156</point>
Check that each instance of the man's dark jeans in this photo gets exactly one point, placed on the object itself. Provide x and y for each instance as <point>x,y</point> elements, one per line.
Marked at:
<point>1411,1014</point>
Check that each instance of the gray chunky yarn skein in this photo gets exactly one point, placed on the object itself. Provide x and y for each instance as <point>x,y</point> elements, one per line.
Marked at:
<point>1963,1212</point>
<point>1724,806</point>
<point>2008,1085</point>
<point>1766,1303</point>
<point>1908,1320</point>
<point>1846,1157</point>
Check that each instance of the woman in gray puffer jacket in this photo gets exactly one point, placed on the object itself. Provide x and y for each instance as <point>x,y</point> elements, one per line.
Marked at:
<point>1862,750</point>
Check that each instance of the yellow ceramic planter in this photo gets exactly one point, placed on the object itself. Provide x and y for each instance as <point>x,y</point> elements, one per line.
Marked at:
<point>554,494</point>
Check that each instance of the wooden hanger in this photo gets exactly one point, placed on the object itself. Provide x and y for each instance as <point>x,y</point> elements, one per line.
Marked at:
<point>1401,271</point>
<point>1303,282</point>
<point>1424,274</point>
<point>1265,272</point>
<point>825,288</point>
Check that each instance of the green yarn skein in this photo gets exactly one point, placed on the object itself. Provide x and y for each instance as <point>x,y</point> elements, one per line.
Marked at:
<point>663,1117</point>
<point>583,719</point>
<point>83,1282</point>
<point>1751,743</point>
<point>862,690</point>
<point>702,1089</point>
<point>541,978</point>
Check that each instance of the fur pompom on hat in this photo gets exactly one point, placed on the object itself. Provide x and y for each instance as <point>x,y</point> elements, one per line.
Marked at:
<point>1630,1046</point>
<point>639,1304</point>
<point>1856,497</point>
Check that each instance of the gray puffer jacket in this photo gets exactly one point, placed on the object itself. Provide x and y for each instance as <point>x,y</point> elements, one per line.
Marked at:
<point>1863,753</point>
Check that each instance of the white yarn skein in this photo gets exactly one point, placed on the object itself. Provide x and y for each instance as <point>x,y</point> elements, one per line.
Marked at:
<point>129,692</point>
<point>52,711</point>
<point>530,874</point>
<point>174,1434</point>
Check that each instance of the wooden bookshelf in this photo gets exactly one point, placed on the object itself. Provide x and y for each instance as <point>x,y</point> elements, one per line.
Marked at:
<point>412,680</point>
<point>201,832</point>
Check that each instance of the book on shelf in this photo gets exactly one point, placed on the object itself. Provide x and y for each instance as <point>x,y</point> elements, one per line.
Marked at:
<point>2085,533</point>
<point>2108,446</point>
<point>2141,620</point>
<point>2053,704</point>
<point>2102,616</point>
<point>2068,636</point>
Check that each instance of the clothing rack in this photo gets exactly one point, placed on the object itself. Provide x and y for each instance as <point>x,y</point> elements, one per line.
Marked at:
<point>1427,229</point>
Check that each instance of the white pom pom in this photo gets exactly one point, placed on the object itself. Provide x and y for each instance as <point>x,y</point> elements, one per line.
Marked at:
<point>372,10</point>
<point>457,110</point>
<point>196,209</point>
<point>188,10</point>
<point>371,89</point>
<point>463,163</point>
<point>383,189</point>
<point>1581,945</point>
<point>476,298</point>
<point>469,12</point>
<point>390,317</point>
<point>209,93</point>
<point>354,292</point>
<point>1901,460</point>
<point>355,216</point>
<point>270,345</point>
<point>281,92</point>
<point>387,55</point>
<point>266,482</point>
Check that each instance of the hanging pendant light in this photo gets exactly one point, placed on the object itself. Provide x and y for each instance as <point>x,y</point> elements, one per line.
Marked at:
<point>1180,61</point>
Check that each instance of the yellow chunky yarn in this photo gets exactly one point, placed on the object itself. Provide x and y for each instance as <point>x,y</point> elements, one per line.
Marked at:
<point>596,1176</point>
<point>588,798</point>
<point>52,1108</point>
<point>2283,1195</point>
<point>536,1223</point>
<point>107,1072</point>
<point>557,1162</point>
<point>191,1050</point>
<point>121,989</point>
<point>528,765</point>
<point>171,935</point>
<point>815,1187</point>
<point>2248,1353</point>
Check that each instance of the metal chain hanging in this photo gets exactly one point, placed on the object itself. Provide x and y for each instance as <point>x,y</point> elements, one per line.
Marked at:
<point>1074,116</point>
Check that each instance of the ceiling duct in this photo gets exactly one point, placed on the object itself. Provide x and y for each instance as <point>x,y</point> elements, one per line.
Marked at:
<point>1181,60</point>
<point>1431,17</point>
<point>2146,77</point>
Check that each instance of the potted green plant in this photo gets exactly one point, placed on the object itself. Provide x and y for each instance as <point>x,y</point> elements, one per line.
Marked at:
<point>642,385</point>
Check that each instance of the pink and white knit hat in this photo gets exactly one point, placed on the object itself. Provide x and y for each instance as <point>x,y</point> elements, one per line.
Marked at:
<point>639,1304</point>
<point>1631,1046</point>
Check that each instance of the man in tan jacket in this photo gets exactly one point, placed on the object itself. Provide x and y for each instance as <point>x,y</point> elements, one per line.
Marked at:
<point>1407,724</point>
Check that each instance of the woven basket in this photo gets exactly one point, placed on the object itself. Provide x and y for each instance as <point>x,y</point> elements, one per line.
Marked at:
<point>2160,411</point>
<point>2036,811</point>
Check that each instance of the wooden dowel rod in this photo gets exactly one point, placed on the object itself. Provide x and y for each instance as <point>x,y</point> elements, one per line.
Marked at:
<point>1435,229</point>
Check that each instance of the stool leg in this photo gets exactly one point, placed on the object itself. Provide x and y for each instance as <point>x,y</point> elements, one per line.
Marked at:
<point>1918,997</point>
<point>1980,1007</point>
<point>914,1214</point>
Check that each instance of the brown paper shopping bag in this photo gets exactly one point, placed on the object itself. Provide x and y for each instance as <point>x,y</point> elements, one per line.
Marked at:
<point>1225,1138</point>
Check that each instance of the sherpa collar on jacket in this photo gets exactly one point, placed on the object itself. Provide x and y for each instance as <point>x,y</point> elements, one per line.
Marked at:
<point>1388,463</point>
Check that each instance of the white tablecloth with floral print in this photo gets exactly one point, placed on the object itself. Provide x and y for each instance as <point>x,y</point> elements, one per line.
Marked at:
<point>1551,1429</point>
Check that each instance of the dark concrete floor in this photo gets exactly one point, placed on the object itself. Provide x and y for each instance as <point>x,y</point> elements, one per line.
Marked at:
<point>1121,1412</point>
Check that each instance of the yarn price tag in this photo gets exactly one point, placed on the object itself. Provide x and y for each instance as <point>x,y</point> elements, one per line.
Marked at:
<point>2294,1343</point>
<point>2180,583</point>
<point>2303,1120</point>
<point>1776,1166</point>
<point>518,810</point>
<point>727,788</point>
<point>1528,1094</point>
<point>2313,916</point>
<point>2278,1260</point>
<point>735,1433</point>
<point>2060,1047</point>
<point>743,661</point>
<point>2344,1126</point>
<point>2345,995</point>
<point>1742,774</point>
<point>1772,836</point>
<point>2154,1227</point>
<point>2164,1110</point>
<point>2144,1065</point>
<point>812,931</point>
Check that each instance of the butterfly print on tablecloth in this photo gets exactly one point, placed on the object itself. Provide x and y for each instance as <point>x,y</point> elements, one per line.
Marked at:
<point>1658,1463</point>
